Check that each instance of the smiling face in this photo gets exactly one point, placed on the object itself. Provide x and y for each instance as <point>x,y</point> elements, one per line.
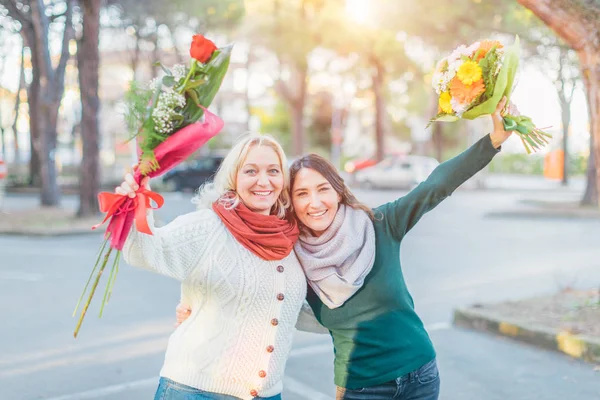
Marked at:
<point>315,200</point>
<point>260,180</point>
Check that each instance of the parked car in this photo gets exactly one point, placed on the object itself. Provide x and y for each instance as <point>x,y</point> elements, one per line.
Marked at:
<point>401,172</point>
<point>359,164</point>
<point>192,174</point>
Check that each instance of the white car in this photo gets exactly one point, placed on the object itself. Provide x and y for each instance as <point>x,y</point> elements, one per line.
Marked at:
<point>402,172</point>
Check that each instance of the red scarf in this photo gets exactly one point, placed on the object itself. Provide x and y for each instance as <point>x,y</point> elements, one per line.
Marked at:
<point>267,236</point>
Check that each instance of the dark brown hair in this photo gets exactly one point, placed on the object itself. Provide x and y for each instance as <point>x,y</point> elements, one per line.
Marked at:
<point>325,168</point>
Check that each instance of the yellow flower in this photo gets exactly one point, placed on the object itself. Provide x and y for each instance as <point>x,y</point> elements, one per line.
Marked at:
<point>444,103</point>
<point>469,72</point>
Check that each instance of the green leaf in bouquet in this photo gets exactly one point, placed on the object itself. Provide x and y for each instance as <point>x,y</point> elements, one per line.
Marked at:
<point>194,84</point>
<point>215,70</point>
<point>442,118</point>
<point>511,62</point>
<point>193,95</point>
<point>136,101</point>
<point>168,81</point>
<point>165,69</point>
<point>178,119</point>
<point>488,65</point>
<point>531,137</point>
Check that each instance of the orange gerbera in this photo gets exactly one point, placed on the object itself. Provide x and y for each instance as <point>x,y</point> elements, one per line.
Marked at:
<point>485,46</point>
<point>465,94</point>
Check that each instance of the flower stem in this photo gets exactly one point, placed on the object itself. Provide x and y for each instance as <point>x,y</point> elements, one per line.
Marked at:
<point>93,290</point>
<point>91,274</point>
<point>108,284</point>
<point>189,75</point>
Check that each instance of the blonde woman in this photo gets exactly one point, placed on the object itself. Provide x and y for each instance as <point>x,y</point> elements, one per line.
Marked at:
<point>234,259</point>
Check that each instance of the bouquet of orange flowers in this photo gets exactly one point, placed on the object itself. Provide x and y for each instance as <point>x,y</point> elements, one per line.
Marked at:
<point>169,120</point>
<point>472,80</point>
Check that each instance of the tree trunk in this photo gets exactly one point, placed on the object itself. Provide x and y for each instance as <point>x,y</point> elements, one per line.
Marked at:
<point>155,56</point>
<point>590,66</point>
<point>378,76</point>
<point>17,108</point>
<point>297,111</point>
<point>566,122</point>
<point>2,129</point>
<point>294,95</point>
<point>248,65</point>
<point>578,27</point>
<point>50,95</point>
<point>47,118</point>
<point>437,137</point>
<point>88,60</point>
<point>565,100</point>
<point>135,59</point>
<point>33,97</point>
<point>178,57</point>
<point>590,197</point>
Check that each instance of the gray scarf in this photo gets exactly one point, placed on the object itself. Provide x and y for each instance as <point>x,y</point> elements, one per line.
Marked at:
<point>337,262</point>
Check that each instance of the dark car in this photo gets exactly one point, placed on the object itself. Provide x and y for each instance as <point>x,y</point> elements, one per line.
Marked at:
<point>191,175</point>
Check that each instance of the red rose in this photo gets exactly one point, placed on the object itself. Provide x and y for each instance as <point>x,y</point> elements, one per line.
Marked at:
<point>202,48</point>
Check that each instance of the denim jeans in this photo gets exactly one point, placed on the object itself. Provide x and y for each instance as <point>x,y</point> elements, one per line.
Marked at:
<point>421,384</point>
<point>171,390</point>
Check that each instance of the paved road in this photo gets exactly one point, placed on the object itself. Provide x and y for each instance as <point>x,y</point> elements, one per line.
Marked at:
<point>455,256</point>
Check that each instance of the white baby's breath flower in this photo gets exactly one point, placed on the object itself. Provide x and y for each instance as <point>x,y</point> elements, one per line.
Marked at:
<point>168,106</point>
<point>179,72</point>
<point>154,83</point>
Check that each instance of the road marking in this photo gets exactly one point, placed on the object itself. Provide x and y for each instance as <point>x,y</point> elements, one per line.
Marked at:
<point>105,391</point>
<point>291,384</point>
<point>438,326</point>
<point>139,334</point>
<point>19,276</point>
<point>302,390</point>
<point>316,349</point>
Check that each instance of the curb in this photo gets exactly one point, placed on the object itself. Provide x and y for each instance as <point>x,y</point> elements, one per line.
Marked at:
<point>543,214</point>
<point>50,233</point>
<point>577,346</point>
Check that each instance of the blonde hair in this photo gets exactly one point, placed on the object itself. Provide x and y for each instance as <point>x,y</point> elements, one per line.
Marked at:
<point>223,187</point>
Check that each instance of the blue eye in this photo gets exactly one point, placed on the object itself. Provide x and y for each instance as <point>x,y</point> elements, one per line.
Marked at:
<point>250,171</point>
<point>274,171</point>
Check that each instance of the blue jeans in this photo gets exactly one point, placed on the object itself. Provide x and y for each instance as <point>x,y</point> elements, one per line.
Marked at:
<point>171,390</point>
<point>421,384</point>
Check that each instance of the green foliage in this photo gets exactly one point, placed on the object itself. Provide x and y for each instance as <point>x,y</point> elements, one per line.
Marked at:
<point>322,115</point>
<point>278,123</point>
<point>136,100</point>
<point>486,64</point>
<point>520,163</point>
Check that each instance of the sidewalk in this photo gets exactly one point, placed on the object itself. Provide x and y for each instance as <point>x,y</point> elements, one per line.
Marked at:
<point>565,322</point>
<point>21,215</point>
<point>539,198</point>
<point>531,183</point>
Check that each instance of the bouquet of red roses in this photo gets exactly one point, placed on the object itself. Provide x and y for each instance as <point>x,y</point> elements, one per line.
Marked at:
<point>169,120</point>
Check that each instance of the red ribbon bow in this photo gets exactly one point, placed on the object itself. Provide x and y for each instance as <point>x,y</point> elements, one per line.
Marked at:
<point>115,204</point>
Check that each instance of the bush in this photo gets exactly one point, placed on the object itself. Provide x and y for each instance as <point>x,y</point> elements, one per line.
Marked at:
<point>533,164</point>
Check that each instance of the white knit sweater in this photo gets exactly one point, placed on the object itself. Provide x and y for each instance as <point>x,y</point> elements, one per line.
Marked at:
<point>244,308</point>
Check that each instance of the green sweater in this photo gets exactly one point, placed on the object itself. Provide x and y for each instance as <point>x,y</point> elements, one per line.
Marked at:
<point>377,335</point>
